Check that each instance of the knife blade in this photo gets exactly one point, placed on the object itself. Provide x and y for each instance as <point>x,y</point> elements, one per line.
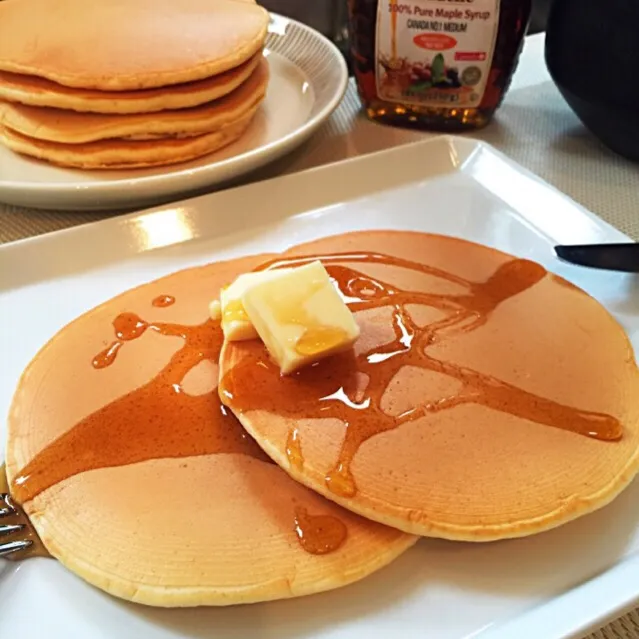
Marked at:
<point>611,257</point>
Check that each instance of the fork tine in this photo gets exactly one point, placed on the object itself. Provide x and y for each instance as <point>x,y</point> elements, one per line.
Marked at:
<point>7,503</point>
<point>10,547</point>
<point>10,528</point>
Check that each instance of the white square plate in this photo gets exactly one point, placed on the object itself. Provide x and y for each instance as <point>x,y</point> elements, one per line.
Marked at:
<point>557,584</point>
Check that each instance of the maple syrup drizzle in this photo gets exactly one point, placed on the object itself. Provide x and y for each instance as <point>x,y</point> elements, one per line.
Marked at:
<point>319,534</point>
<point>156,420</point>
<point>159,420</point>
<point>162,301</point>
<point>28,533</point>
<point>294,450</point>
<point>128,326</point>
<point>326,389</point>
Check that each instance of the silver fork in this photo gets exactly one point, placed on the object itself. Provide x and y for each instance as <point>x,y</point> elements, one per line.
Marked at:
<point>14,533</point>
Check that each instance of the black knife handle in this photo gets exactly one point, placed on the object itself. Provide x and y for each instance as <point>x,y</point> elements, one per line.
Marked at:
<point>611,257</point>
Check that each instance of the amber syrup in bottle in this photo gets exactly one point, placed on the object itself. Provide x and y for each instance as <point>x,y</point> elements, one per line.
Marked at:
<point>435,64</point>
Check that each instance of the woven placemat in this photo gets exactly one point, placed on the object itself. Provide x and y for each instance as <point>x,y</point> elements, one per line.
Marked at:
<point>534,128</point>
<point>625,628</point>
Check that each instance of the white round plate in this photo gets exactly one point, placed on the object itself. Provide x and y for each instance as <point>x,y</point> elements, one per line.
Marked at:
<point>308,80</point>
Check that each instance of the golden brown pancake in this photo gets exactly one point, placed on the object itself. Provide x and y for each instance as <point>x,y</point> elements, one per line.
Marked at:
<point>135,479</point>
<point>127,154</point>
<point>484,399</point>
<point>34,91</point>
<point>121,45</point>
<point>69,127</point>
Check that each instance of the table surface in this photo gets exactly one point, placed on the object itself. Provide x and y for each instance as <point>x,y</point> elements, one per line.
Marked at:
<point>534,127</point>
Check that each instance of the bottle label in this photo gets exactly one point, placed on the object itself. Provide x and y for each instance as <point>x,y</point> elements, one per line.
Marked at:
<point>435,53</point>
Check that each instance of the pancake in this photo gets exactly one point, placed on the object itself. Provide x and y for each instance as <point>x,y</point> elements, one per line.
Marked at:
<point>127,154</point>
<point>34,91</point>
<point>137,481</point>
<point>69,127</point>
<point>121,45</point>
<point>483,400</point>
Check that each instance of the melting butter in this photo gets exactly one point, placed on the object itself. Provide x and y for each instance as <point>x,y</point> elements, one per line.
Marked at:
<point>236,324</point>
<point>300,316</point>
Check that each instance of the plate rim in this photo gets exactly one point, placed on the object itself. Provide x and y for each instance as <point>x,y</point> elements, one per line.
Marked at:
<point>585,606</point>
<point>391,178</point>
<point>251,158</point>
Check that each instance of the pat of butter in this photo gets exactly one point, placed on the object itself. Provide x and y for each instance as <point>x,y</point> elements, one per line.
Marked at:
<point>300,316</point>
<point>235,322</point>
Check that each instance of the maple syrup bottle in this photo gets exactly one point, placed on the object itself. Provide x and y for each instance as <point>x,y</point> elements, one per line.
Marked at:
<point>435,64</point>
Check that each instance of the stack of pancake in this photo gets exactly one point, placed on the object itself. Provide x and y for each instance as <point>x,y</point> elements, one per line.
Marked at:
<point>129,83</point>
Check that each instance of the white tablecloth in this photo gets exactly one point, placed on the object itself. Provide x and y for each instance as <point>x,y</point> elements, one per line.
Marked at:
<point>534,127</point>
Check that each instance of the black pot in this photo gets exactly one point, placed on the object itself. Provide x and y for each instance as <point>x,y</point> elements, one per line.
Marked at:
<point>592,54</point>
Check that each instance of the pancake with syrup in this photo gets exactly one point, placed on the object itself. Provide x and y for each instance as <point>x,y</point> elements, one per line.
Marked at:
<point>138,480</point>
<point>125,45</point>
<point>69,127</point>
<point>39,92</point>
<point>485,398</point>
